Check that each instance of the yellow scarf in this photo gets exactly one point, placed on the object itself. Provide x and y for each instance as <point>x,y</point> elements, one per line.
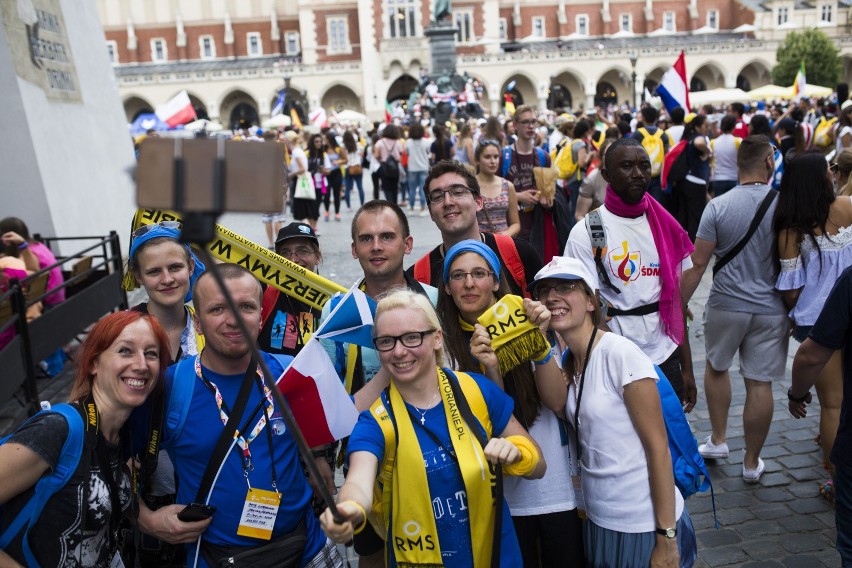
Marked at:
<point>414,533</point>
<point>514,338</point>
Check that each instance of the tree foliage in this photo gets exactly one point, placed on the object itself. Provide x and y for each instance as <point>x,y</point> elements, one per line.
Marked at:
<point>822,64</point>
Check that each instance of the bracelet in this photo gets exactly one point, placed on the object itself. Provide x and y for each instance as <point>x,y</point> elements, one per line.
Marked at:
<point>23,245</point>
<point>545,358</point>
<point>794,399</point>
<point>363,524</point>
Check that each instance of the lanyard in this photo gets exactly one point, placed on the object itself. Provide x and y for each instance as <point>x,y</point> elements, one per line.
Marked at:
<point>579,389</point>
<point>96,438</point>
<point>242,442</point>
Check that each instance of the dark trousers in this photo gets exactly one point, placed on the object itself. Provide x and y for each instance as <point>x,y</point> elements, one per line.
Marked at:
<point>553,539</point>
<point>375,178</point>
<point>390,187</point>
<point>335,182</point>
<point>655,188</point>
<point>691,199</point>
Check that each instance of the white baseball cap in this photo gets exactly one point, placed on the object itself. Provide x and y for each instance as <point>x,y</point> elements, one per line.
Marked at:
<point>566,268</point>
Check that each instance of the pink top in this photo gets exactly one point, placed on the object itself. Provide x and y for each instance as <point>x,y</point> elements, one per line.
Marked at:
<point>387,146</point>
<point>9,274</point>
<point>494,209</point>
<point>45,259</point>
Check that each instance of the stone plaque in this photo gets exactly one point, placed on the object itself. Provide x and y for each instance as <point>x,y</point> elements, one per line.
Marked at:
<point>38,44</point>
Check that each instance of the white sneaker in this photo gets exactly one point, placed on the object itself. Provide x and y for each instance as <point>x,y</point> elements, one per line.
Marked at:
<point>712,451</point>
<point>753,475</point>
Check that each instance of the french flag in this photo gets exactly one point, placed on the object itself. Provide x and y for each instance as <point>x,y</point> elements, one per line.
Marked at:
<point>177,111</point>
<point>322,409</point>
<point>673,88</point>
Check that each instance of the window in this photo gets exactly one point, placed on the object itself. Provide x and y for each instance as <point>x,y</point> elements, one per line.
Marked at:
<point>338,34</point>
<point>291,43</point>
<point>158,50</point>
<point>669,21</point>
<point>582,24</point>
<point>401,16</point>
<point>464,24</point>
<point>825,13</point>
<point>112,51</point>
<point>713,19</point>
<point>782,16</point>
<point>254,47</point>
<point>538,27</point>
<point>626,22</point>
<point>501,32</point>
<point>208,47</point>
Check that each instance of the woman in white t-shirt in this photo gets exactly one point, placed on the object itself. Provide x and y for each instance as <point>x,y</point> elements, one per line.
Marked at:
<point>843,140</point>
<point>634,514</point>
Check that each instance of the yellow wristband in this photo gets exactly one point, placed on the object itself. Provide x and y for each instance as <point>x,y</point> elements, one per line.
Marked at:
<point>363,523</point>
<point>529,457</point>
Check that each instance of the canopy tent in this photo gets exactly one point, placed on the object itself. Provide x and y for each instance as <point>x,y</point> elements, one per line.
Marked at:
<point>350,116</point>
<point>716,96</point>
<point>277,121</point>
<point>203,124</point>
<point>778,92</point>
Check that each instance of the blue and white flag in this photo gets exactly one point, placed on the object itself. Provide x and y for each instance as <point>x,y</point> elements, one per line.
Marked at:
<point>350,319</point>
<point>279,104</point>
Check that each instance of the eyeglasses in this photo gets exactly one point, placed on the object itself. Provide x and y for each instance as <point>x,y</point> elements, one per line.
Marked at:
<point>456,192</point>
<point>476,273</point>
<point>531,122</point>
<point>302,252</point>
<point>410,339</point>
<point>561,289</point>
<point>145,229</point>
<point>833,167</point>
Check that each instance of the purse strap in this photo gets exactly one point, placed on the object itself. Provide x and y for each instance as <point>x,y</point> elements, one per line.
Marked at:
<point>755,223</point>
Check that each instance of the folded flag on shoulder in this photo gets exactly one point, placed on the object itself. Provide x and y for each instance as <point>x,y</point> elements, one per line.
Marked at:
<point>350,319</point>
<point>322,409</point>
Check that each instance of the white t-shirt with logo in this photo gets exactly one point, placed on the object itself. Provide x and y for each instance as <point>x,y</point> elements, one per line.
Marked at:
<point>633,266</point>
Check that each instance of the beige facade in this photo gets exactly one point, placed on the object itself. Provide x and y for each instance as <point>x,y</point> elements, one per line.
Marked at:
<point>234,56</point>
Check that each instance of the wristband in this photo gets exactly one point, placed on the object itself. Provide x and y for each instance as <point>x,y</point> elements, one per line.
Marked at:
<point>23,245</point>
<point>363,523</point>
<point>794,399</point>
<point>544,358</point>
<point>529,457</point>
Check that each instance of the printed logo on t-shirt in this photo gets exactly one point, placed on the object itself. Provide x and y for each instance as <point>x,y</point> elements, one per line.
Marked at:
<point>625,263</point>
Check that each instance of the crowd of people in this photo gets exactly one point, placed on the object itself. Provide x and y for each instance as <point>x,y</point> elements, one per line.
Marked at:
<point>542,446</point>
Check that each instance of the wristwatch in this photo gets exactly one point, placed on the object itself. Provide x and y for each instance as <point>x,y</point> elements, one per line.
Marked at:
<point>668,533</point>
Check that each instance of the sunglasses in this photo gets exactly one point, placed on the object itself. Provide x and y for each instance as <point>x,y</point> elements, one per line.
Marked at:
<point>145,229</point>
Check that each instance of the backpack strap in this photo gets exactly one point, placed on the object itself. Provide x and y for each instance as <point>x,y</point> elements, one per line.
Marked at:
<point>47,486</point>
<point>179,397</point>
<point>597,237</point>
<point>509,254</point>
<point>270,298</point>
<point>423,269</point>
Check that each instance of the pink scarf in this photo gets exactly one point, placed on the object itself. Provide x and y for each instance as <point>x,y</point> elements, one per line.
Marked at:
<point>673,245</point>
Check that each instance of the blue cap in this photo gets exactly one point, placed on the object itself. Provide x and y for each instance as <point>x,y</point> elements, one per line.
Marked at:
<point>471,245</point>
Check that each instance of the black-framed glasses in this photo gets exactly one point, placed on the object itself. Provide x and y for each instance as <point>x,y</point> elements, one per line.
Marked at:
<point>456,192</point>
<point>531,122</point>
<point>562,289</point>
<point>410,339</point>
<point>301,251</point>
<point>476,273</point>
<point>145,229</point>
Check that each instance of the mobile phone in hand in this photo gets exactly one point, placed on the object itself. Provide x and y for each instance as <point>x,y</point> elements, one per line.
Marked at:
<point>196,512</point>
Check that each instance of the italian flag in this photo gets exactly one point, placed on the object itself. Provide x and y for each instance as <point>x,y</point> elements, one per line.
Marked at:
<point>799,83</point>
<point>388,113</point>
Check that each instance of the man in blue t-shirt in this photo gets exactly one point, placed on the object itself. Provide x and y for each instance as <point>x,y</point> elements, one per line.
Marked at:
<point>832,331</point>
<point>262,462</point>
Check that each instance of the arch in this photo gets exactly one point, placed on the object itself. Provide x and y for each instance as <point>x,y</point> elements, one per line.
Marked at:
<point>566,91</point>
<point>199,106</point>
<point>753,75</point>
<point>707,76</point>
<point>522,91</point>
<point>402,87</point>
<point>653,78</point>
<point>614,87</point>
<point>134,106</point>
<point>340,97</point>
<point>239,109</point>
<point>294,99</point>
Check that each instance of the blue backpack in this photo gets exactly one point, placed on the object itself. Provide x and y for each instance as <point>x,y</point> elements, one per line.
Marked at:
<point>48,485</point>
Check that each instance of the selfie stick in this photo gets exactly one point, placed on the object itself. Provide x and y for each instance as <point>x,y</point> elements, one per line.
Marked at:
<point>199,229</point>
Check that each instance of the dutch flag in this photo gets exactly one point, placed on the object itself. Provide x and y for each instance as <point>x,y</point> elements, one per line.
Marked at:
<point>673,88</point>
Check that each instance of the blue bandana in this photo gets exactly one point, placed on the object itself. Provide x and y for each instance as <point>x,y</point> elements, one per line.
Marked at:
<point>158,232</point>
<point>471,245</point>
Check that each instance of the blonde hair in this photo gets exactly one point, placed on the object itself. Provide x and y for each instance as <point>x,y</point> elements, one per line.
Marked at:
<point>404,298</point>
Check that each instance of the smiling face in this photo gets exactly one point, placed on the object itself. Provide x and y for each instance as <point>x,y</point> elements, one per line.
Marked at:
<point>455,217</point>
<point>409,364</point>
<point>379,245</point>
<point>569,308</point>
<point>164,269</point>
<point>471,296</point>
<point>224,343</point>
<point>126,372</point>
<point>302,251</point>
<point>628,171</point>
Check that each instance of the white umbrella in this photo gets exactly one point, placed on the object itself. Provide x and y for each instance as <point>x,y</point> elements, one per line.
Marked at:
<point>716,96</point>
<point>277,121</point>
<point>744,29</point>
<point>350,116</point>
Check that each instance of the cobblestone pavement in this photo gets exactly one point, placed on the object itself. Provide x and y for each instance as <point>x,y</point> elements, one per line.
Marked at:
<point>779,522</point>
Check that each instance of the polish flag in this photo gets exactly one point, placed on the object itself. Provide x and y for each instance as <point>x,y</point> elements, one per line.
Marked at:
<point>322,408</point>
<point>673,88</point>
<point>177,111</point>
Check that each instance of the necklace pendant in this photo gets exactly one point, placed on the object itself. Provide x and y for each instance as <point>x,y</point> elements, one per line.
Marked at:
<point>423,419</point>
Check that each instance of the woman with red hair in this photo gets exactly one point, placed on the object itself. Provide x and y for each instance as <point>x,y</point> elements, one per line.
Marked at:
<point>119,365</point>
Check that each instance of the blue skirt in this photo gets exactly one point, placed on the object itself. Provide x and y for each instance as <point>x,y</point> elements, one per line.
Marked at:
<point>612,549</point>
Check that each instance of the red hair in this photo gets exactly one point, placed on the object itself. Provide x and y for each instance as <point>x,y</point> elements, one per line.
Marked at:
<point>102,336</point>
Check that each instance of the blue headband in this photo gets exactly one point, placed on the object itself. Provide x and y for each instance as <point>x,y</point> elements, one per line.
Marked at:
<point>471,245</point>
<point>158,232</point>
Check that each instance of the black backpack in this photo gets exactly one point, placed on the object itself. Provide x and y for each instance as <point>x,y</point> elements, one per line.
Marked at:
<point>389,168</point>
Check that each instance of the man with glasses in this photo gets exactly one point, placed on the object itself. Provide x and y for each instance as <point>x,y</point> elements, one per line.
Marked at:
<point>537,213</point>
<point>287,322</point>
<point>380,240</point>
<point>453,198</point>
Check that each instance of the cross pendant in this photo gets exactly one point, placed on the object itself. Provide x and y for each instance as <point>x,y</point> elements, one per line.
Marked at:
<point>423,420</point>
